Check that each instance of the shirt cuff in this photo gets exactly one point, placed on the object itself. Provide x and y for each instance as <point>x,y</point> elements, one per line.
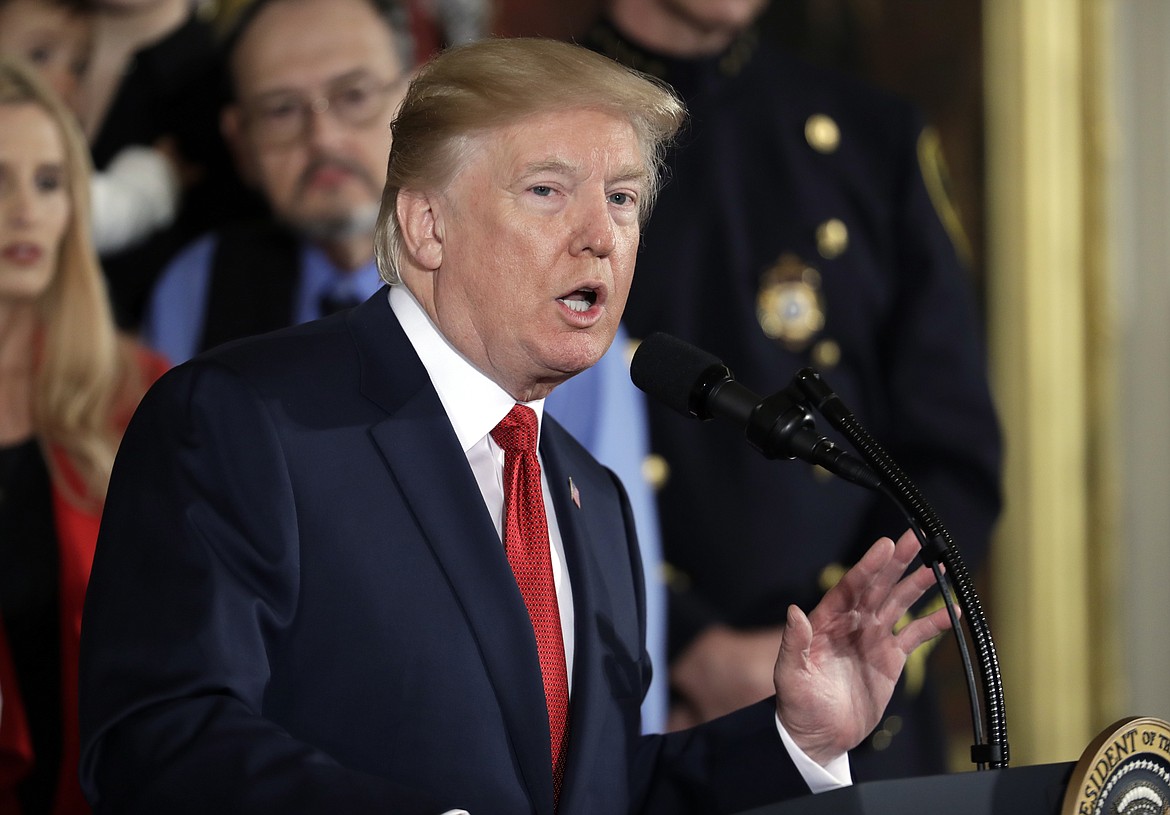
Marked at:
<point>831,776</point>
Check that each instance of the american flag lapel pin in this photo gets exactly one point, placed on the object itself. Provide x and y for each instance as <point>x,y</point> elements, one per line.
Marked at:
<point>574,493</point>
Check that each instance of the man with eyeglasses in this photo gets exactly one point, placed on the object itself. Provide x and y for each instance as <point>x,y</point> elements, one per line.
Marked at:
<point>315,83</point>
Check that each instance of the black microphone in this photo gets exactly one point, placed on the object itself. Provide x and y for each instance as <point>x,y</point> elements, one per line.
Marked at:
<point>699,385</point>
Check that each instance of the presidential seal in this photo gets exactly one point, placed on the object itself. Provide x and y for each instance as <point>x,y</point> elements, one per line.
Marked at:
<point>1124,771</point>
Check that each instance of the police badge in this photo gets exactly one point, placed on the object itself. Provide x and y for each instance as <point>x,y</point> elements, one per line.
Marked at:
<point>789,305</point>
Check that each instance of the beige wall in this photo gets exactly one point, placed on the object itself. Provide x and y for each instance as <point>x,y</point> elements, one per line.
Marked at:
<point>1041,261</point>
<point>1141,225</point>
<point>1079,244</point>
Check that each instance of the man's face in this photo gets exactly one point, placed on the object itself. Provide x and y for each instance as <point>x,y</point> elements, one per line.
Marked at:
<point>711,16</point>
<point>317,82</point>
<point>539,234</point>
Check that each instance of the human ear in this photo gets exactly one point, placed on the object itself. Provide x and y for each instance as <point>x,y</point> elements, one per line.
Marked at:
<point>420,222</point>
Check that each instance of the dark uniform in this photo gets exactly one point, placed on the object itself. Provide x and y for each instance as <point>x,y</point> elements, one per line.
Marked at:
<point>800,226</point>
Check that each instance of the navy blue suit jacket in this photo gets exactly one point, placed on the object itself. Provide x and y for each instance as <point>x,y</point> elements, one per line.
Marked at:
<point>299,604</point>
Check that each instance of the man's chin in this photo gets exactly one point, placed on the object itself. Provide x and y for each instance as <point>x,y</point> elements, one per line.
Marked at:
<point>353,223</point>
<point>586,351</point>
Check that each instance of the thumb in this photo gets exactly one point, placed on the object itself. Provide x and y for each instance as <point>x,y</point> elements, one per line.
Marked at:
<point>797,638</point>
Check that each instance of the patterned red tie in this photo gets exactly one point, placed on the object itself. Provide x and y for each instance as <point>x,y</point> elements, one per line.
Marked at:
<point>527,546</point>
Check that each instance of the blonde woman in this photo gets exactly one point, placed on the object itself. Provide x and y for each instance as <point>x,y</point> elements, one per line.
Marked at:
<point>68,384</point>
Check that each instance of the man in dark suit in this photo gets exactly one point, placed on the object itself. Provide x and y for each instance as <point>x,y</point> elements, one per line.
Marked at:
<point>314,84</point>
<point>300,602</point>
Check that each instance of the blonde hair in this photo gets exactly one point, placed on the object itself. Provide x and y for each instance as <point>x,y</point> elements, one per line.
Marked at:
<point>84,375</point>
<point>472,88</point>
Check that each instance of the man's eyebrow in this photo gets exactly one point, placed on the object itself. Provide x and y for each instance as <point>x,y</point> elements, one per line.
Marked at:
<point>551,165</point>
<point>631,172</point>
<point>353,75</point>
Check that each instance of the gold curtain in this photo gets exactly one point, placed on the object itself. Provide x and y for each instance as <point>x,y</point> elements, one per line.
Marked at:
<point>1052,607</point>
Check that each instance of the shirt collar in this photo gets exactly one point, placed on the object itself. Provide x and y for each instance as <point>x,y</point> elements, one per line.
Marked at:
<point>322,277</point>
<point>689,76</point>
<point>474,403</point>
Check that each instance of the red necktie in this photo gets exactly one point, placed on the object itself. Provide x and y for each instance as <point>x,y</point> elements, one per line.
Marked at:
<point>527,546</point>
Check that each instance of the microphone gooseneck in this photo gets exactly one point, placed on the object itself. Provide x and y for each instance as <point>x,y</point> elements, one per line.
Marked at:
<point>990,750</point>
<point>697,384</point>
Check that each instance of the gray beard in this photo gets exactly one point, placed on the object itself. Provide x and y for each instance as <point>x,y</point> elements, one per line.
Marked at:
<point>356,224</point>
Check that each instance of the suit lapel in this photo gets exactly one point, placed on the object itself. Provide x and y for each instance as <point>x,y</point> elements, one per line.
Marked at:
<point>580,524</point>
<point>428,465</point>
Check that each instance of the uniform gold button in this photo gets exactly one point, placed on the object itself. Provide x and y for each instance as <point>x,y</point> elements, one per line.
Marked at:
<point>673,578</point>
<point>822,133</point>
<point>656,471</point>
<point>832,238</point>
<point>884,737</point>
<point>830,576</point>
<point>826,354</point>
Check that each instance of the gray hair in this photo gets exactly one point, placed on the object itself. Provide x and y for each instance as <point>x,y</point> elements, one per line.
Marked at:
<point>473,88</point>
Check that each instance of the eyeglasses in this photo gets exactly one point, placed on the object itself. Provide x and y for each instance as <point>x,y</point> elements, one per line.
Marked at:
<point>280,118</point>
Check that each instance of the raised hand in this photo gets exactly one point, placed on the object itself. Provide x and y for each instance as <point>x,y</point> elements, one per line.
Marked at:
<point>838,665</point>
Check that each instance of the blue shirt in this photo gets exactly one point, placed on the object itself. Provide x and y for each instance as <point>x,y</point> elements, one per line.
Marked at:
<point>176,313</point>
<point>607,414</point>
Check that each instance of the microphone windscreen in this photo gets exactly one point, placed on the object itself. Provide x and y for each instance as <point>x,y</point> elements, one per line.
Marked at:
<point>669,369</point>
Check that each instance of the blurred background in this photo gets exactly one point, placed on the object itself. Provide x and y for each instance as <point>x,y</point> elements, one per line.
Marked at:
<point>1055,120</point>
<point>1054,116</point>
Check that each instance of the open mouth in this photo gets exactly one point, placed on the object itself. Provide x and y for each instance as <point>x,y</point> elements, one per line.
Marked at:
<point>580,301</point>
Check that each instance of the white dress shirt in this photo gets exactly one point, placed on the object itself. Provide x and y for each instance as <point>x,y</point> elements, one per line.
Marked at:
<point>475,405</point>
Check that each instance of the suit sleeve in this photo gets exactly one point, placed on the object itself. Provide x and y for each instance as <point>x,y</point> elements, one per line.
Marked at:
<point>731,764</point>
<point>196,572</point>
